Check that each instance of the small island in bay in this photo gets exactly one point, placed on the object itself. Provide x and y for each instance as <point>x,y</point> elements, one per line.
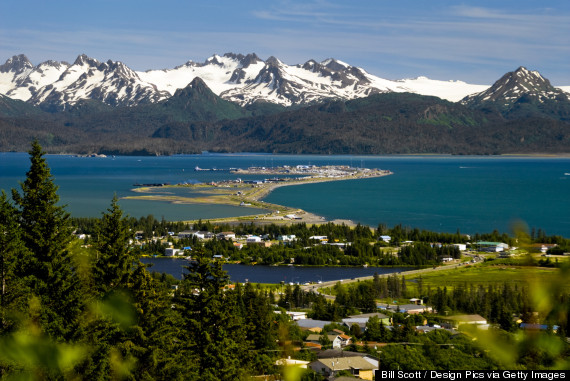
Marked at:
<point>250,193</point>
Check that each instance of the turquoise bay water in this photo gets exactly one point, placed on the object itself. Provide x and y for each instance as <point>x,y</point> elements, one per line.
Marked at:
<point>473,194</point>
<point>441,193</point>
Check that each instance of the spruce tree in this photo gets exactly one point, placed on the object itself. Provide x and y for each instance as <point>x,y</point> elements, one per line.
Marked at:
<point>12,287</point>
<point>215,337</point>
<point>114,263</point>
<point>48,266</point>
<point>154,336</point>
<point>134,316</point>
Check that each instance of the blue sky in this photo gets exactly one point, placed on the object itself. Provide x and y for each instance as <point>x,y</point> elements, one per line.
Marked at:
<point>473,41</point>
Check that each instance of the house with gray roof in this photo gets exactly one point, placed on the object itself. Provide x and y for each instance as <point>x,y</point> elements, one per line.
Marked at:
<point>310,323</point>
<point>362,319</point>
<point>357,366</point>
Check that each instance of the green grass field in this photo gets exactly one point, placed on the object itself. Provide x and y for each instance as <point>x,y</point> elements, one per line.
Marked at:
<point>485,275</point>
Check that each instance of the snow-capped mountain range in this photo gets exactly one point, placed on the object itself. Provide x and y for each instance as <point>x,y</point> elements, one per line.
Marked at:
<point>234,77</point>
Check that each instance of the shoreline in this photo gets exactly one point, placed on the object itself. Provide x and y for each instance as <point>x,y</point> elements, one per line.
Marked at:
<point>109,155</point>
<point>251,196</point>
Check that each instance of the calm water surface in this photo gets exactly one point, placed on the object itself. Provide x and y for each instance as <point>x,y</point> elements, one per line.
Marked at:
<point>273,274</point>
<point>441,193</point>
<point>473,194</point>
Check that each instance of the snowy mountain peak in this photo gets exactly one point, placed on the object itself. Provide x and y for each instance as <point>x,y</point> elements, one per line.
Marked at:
<point>513,86</point>
<point>53,64</point>
<point>523,71</point>
<point>120,69</point>
<point>215,59</point>
<point>112,83</point>
<point>310,65</point>
<point>84,60</point>
<point>273,61</point>
<point>16,64</point>
<point>335,65</point>
<point>244,61</point>
<point>250,59</point>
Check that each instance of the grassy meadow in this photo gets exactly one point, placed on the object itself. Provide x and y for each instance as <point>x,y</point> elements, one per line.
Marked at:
<point>488,274</point>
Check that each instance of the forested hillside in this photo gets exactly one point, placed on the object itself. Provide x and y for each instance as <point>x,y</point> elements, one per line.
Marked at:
<point>379,124</point>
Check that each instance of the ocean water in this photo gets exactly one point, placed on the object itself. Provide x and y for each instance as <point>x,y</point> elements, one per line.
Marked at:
<point>441,193</point>
<point>473,194</point>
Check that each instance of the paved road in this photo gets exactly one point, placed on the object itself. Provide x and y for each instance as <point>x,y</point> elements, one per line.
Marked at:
<point>315,287</point>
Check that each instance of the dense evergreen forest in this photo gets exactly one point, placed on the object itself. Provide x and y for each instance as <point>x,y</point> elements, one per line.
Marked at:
<point>91,310</point>
<point>391,123</point>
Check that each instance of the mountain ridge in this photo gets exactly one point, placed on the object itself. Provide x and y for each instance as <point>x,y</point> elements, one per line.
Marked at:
<point>243,79</point>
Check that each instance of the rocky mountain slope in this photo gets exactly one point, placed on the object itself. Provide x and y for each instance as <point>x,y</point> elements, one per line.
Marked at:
<point>521,94</point>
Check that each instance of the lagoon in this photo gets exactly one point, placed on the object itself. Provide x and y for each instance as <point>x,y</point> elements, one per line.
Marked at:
<point>273,274</point>
<point>440,193</point>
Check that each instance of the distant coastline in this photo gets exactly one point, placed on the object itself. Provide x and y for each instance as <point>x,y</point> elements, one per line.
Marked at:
<point>545,155</point>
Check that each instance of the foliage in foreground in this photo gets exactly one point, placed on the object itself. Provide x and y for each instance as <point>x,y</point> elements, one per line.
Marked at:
<point>97,313</point>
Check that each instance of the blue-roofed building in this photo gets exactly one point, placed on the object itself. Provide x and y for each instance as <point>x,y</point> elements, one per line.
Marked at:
<point>538,327</point>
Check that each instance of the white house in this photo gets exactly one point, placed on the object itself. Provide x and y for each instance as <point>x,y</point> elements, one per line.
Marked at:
<point>460,246</point>
<point>410,309</point>
<point>203,235</point>
<point>385,238</point>
<point>287,238</point>
<point>170,252</point>
<point>322,238</point>
<point>334,339</point>
<point>186,234</point>
<point>292,362</point>
<point>493,247</point>
<point>226,235</point>
<point>253,239</point>
<point>294,315</point>
<point>457,320</point>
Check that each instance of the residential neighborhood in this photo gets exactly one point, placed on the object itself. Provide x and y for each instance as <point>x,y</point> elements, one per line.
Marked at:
<point>380,314</point>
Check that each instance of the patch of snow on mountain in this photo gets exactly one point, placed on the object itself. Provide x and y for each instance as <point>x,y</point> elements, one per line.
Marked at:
<point>24,85</point>
<point>385,85</point>
<point>452,91</point>
<point>9,85</point>
<point>216,73</point>
<point>66,79</point>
